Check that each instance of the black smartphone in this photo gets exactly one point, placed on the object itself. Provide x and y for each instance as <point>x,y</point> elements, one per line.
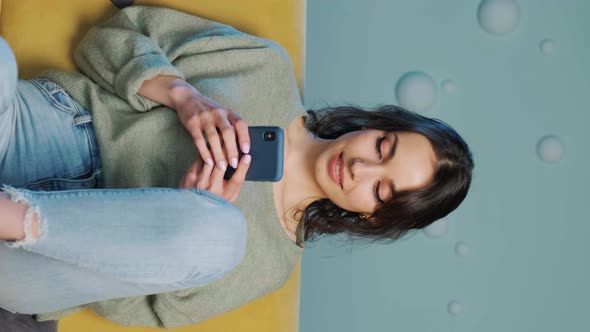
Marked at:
<point>266,149</point>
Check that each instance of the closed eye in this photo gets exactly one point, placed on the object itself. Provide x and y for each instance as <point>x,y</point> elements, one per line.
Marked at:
<point>379,140</point>
<point>377,193</point>
<point>376,188</point>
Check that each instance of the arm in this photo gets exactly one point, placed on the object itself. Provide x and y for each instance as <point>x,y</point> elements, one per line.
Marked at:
<point>139,43</point>
<point>200,114</point>
<point>166,90</point>
<point>152,56</point>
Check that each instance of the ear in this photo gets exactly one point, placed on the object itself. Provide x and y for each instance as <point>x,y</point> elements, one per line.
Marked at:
<point>366,218</point>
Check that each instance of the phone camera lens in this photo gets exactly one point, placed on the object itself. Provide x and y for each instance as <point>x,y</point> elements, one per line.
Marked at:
<point>269,136</point>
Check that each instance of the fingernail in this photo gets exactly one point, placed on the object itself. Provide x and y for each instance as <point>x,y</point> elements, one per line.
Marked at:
<point>245,147</point>
<point>247,159</point>
<point>222,165</point>
<point>209,161</point>
<point>234,162</point>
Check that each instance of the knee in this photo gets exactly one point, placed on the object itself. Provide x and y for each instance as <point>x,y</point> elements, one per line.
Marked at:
<point>20,223</point>
<point>8,75</point>
<point>218,244</point>
<point>233,251</point>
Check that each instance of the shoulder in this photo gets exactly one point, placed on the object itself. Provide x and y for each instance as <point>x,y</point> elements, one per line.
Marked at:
<point>278,53</point>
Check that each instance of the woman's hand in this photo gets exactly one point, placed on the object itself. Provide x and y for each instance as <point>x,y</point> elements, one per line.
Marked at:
<point>200,114</point>
<point>204,176</point>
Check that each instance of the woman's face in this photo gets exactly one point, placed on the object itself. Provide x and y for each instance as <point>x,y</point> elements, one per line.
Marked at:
<point>357,171</point>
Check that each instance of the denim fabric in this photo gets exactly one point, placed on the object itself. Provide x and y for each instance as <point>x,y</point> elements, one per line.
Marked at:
<point>8,74</point>
<point>102,244</point>
<point>97,244</point>
<point>47,141</point>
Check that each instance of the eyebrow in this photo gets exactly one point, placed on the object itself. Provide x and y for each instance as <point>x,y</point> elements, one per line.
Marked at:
<point>390,157</point>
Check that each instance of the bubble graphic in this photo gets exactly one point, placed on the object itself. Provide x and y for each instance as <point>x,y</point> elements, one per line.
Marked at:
<point>546,46</point>
<point>550,149</point>
<point>416,91</point>
<point>455,308</point>
<point>437,229</point>
<point>498,17</point>
<point>461,249</point>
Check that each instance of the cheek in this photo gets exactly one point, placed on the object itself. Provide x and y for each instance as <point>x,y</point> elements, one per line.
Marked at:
<point>359,200</point>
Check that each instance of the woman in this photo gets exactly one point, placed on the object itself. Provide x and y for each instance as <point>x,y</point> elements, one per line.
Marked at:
<point>146,73</point>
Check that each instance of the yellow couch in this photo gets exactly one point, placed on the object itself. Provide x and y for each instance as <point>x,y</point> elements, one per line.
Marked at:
<point>42,35</point>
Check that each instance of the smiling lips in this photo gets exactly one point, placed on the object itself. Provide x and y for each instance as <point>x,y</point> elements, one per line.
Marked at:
<point>337,170</point>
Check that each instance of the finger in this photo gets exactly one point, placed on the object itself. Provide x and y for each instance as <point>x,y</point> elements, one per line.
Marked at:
<point>235,195</point>
<point>189,178</point>
<point>241,127</point>
<point>186,180</point>
<point>202,147</point>
<point>229,138</point>
<point>215,144</point>
<point>202,180</point>
<point>216,181</point>
<point>235,182</point>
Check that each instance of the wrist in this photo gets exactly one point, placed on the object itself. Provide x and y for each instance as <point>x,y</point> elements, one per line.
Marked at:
<point>166,90</point>
<point>179,91</point>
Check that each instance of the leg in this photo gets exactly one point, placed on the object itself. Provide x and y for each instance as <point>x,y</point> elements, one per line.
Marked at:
<point>101,244</point>
<point>8,75</point>
<point>8,83</point>
<point>14,218</point>
<point>95,245</point>
<point>45,138</point>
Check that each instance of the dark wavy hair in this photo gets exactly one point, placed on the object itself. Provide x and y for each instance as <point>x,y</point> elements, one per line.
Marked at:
<point>407,210</point>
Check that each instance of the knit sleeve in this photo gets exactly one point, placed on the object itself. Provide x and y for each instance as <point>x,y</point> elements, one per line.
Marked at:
<point>146,310</point>
<point>140,42</point>
<point>149,311</point>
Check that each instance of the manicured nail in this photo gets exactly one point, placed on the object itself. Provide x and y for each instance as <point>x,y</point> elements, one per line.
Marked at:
<point>209,161</point>
<point>247,159</point>
<point>222,165</point>
<point>234,162</point>
<point>245,147</point>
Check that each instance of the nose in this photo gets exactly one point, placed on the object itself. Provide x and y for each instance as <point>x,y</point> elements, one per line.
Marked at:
<point>360,169</point>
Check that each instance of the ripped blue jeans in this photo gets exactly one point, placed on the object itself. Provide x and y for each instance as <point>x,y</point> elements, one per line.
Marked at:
<point>96,244</point>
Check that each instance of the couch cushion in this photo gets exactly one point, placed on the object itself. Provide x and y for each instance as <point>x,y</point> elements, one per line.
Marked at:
<point>42,35</point>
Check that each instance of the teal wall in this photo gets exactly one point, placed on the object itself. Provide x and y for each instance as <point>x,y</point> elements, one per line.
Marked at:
<point>524,222</point>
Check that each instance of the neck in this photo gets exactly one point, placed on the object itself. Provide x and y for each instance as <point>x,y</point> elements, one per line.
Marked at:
<point>298,187</point>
